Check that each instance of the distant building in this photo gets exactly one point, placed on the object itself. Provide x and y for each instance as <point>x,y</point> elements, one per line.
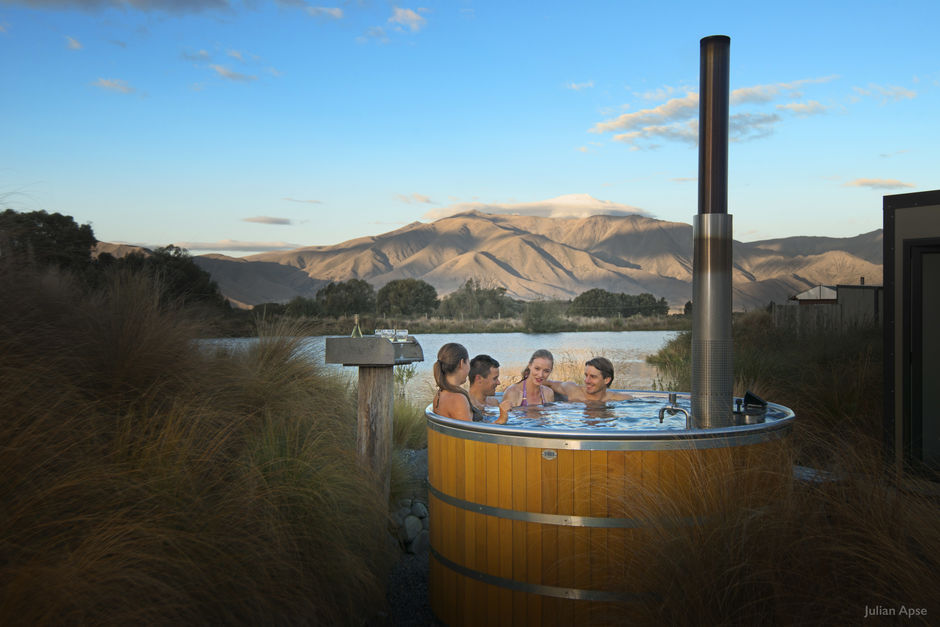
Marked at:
<point>820,294</point>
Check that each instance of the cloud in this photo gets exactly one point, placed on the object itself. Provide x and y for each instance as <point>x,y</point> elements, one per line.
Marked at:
<point>684,179</point>
<point>231,75</point>
<point>118,43</point>
<point>765,93</point>
<point>567,206</point>
<point>891,93</point>
<point>73,43</point>
<point>268,220</point>
<point>662,93</point>
<point>326,12</point>
<point>374,32</point>
<point>312,202</point>
<point>198,57</point>
<point>114,84</point>
<point>886,155</point>
<point>168,6</point>
<point>803,109</point>
<point>407,18</point>
<point>235,54</point>
<point>229,244</point>
<point>579,86</point>
<point>747,126</point>
<point>3,27</point>
<point>415,197</point>
<point>674,109</point>
<point>878,183</point>
<point>686,132</point>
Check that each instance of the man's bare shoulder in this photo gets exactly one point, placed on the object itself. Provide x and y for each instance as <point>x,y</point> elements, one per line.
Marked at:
<point>617,396</point>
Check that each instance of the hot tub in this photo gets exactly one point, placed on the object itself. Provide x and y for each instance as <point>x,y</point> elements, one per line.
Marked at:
<point>538,525</point>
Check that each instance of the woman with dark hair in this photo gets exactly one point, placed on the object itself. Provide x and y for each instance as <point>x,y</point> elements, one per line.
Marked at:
<point>530,390</point>
<point>450,372</point>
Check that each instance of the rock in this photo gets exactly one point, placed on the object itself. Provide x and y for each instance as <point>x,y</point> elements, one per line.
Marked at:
<point>426,523</point>
<point>404,503</point>
<point>419,509</point>
<point>410,529</point>
<point>399,516</point>
<point>421,543</point>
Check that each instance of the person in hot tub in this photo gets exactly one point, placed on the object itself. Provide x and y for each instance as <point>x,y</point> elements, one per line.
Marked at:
<point>532,389</point>
<point>598,375</point>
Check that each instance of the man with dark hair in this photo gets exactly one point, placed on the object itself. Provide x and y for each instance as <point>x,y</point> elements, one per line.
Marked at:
<point>598,375</point>
<point>484,379</point>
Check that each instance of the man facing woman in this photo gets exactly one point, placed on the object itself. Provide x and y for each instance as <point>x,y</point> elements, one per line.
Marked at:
<point>451,371</point>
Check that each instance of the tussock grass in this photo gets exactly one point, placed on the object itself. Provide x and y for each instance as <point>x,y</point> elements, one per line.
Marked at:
<point>149,481</point>
<point>795,551</point>
<point>769,549</point>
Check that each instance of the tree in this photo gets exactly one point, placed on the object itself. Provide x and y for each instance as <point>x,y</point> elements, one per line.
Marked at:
<point>45,239</point>
<point>300,307</point>
<point>596,303</point>
<point>181,278</point>
<point>688,308</point>
<point>542,317</point>
<point>406,297</point>
<point>345,298</point>
<point>472,300</point>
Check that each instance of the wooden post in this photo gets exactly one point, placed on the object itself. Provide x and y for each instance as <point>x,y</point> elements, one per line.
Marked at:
<point>374,428</point>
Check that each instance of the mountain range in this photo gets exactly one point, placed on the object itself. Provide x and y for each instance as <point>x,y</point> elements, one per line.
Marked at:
<point>548,258</point>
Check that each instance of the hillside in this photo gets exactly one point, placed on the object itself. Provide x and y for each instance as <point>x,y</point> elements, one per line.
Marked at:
<point>535,257</point>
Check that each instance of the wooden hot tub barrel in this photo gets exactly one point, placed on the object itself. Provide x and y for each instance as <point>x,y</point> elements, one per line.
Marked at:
<point>538,527</point>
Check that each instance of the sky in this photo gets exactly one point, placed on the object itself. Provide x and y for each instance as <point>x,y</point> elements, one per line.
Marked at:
<point>241,127</point>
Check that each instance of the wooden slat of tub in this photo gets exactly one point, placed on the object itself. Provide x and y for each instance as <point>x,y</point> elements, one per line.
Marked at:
<point>598,536</point>
<point>565,555</point>
<point>519,554</point>
<point>632,497</point>
<point>467,523</point>
<point>533,503</point>
<point>548,469</point>
<point>582,535</point>
<point>491,454</point>
<point>616,461</point>
<point>505,530</point>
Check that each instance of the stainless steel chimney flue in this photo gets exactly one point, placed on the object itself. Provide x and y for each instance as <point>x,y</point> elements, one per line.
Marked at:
<point>712,361</point>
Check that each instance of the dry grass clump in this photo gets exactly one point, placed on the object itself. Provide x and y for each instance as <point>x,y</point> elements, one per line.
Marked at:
<point>148,480</point>
<point>769,549</point>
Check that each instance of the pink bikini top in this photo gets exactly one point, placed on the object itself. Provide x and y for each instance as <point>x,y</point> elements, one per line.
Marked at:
<point>524,402</point>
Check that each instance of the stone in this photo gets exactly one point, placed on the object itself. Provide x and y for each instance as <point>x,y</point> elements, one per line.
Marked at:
<point>399,516</point>
<point>411,528</point>
<point>421,543</point>
<point>404,503</point>
<point>419,509</point>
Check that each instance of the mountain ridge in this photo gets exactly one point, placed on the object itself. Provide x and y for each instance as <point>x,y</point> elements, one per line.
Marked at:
<point>536,257</point>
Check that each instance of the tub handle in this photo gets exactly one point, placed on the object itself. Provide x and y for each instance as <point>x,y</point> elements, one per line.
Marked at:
<point>672,409</point>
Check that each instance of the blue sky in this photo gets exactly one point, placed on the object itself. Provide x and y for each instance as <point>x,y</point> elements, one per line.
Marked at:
<point>248,126</point>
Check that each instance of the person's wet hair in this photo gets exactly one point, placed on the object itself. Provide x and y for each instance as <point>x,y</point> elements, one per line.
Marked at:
<point>539,353</point>
<point>448,360</point>
<point>603,364</point>
<point>480,367</point>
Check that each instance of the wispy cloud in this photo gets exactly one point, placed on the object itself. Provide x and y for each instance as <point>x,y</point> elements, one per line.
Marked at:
<point>676,119</point>
<point>803,109</point>
<point>118,43</point>
<point>415,197</point>
<point>333,13</point>
<point>312,202</point>
<point>232,75</point>
<point>72,43</point>
<point>684,179</point>
<point>268,220</point>
<point>891,93</point>
<point>567,206</point>
<point>579,86</point>
<point>376,33</point>
<point>114,84</point>
<point>235,245</point>
<point>3,27</point>
<point>201,56</point>
<point>236,54</point>
<point>878,184</point>
<point>766,93</point>
<point>887,155</point>
<point>407,18</point>
<point>167,6</point>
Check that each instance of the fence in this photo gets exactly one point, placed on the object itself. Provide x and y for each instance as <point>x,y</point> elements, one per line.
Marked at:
<point>822,318</point>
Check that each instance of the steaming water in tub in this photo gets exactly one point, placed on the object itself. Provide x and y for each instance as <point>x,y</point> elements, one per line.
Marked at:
<point>638,414</point>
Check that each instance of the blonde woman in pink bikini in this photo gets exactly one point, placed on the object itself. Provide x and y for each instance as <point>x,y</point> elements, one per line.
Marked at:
<point>529,391</point>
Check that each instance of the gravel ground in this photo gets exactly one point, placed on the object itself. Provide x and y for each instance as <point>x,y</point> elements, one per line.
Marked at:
<point>407,592</point>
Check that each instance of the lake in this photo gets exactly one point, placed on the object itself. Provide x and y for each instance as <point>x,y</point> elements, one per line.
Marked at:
<point>626,349</point>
